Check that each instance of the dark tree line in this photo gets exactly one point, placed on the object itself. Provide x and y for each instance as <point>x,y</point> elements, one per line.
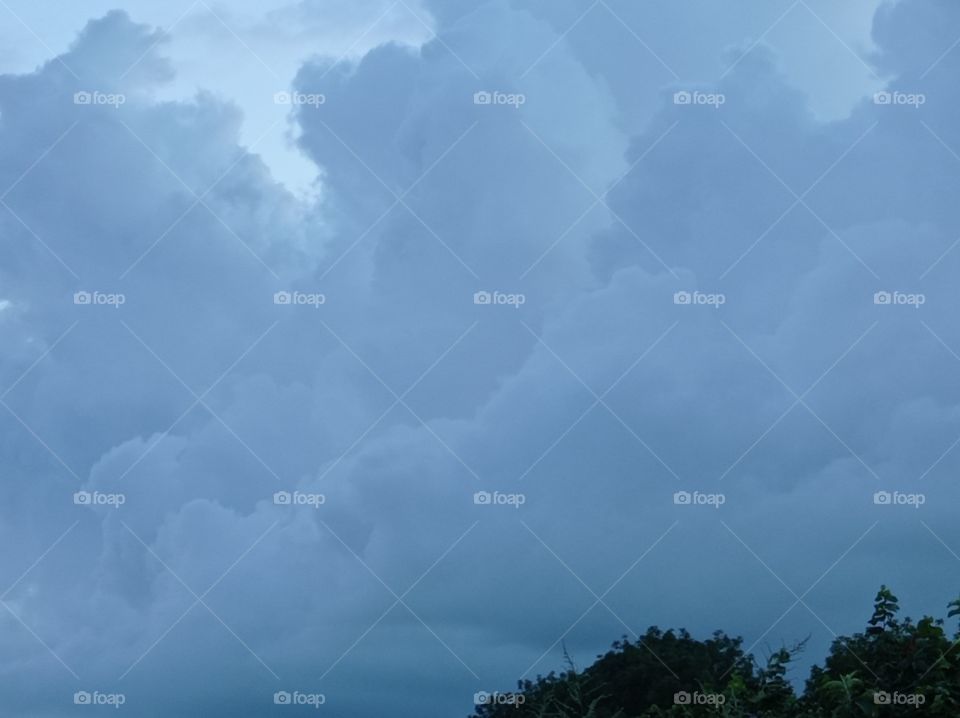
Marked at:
<point>895,667</point>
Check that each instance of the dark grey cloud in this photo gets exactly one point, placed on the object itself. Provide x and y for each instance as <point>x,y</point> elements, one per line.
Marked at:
<point>781,384</point>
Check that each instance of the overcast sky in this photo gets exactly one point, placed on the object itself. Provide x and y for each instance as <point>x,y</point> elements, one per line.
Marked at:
<point>372,350</point>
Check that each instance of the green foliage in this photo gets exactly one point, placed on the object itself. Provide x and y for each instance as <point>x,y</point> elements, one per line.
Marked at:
<point>892,659</point>
<point>885,609</point>
<point>894,668</point>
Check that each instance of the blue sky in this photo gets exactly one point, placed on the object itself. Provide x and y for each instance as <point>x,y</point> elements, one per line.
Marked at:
<point>371,350</point>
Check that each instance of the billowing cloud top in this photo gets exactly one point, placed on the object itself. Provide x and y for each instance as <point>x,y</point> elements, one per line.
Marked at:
<point>602,316</point>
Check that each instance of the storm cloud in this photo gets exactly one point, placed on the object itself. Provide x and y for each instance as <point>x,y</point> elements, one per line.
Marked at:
<point>601,316</point>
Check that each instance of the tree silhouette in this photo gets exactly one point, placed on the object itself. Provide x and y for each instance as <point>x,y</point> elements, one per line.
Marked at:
<point>894,668</point>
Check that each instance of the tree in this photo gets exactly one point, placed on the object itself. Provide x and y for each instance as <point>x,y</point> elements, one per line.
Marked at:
<point>892,668</point>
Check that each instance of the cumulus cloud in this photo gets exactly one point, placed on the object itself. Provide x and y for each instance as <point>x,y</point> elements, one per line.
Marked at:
<point>542,297</point>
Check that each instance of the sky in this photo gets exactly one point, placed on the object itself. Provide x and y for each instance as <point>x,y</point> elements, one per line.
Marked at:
<point>364,355</point>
